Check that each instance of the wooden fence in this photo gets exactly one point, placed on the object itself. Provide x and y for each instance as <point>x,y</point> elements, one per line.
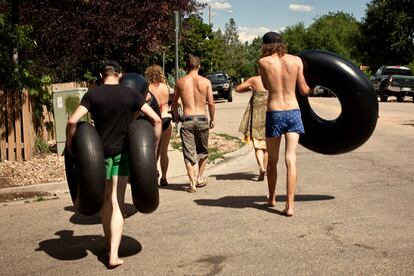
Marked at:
<point>16,126</point>
<point>17,134</point>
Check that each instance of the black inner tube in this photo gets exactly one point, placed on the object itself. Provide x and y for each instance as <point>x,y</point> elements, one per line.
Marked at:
<point>357,97</point>
<point>143,166</point>
<point>85,171</point>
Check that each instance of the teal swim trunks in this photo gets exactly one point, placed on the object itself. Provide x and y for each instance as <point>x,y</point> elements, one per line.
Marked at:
<point>117,165</point>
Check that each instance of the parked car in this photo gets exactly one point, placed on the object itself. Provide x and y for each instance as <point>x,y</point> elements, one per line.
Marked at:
<point>395,81</point>
<point>222,85</point>
<point>321,91</point>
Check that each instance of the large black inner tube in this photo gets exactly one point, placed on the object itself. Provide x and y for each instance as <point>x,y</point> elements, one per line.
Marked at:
<point>143,166</point>
<point>357,97</point>
<point>136,82</point>
<point>85,170</point>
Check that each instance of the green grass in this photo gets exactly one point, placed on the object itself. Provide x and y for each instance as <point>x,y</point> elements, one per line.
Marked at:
<point>231,138</point>
<point>214,153</point>
<point>41,146</point>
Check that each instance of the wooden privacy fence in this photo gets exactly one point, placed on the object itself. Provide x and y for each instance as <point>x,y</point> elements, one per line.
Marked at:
<point>17,133</point>
<point>16,127</point>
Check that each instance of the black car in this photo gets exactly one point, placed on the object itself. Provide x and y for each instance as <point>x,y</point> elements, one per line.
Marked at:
<point>221,84</point>
<point>395,81</point>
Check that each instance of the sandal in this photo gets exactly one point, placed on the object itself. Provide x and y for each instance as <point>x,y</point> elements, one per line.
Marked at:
<point>201,183</point>
<point>190,189</point>
<point>163,182</point>
<point>261,176</point>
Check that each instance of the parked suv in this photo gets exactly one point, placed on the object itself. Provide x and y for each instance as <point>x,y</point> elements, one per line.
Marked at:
<point>221,84</point>
<point>395,81</point>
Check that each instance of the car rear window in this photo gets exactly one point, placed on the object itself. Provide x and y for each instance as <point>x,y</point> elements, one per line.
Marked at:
<point>215,77</point>
<point>396,71</point>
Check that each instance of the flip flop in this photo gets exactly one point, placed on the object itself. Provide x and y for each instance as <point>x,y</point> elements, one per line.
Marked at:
<point>201,184</point>
<point>261,176</point>
<point>163,182</point>
<point>190,190</point>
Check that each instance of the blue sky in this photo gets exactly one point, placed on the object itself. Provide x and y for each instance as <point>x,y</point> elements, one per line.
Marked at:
<point>255,17</point>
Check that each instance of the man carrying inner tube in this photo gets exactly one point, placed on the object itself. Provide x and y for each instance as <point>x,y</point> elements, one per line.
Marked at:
<point>112,107</point>
<point>195,91</point>
<point>281,73</point>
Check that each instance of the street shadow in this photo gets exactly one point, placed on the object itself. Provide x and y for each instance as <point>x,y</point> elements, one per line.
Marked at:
<point>78,218</point>
<point>175,187</point>
<point>236,176</point>
<point>69,247</point>
<point>257,202</point>
<point>220,100</point>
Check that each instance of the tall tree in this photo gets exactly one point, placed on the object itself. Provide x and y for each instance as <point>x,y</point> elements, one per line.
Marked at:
<point>296,38</point>
<point>333,32</point>
<point>73,36</point>
<point>234,58</point>
<point>252,53</point>
<point>388,33</point>
<point>197,38</point>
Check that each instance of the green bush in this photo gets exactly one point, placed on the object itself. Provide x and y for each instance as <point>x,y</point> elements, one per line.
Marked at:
<point>41,146</point>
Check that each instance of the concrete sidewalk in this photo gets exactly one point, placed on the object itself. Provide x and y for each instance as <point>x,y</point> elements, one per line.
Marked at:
<point>176,169</point>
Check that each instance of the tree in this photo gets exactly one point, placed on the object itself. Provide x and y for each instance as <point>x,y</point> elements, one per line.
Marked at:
<point>197,39</point>
<point>13,75</point>
<point>233,51</point>
<point>16,75</point>
<point>74,36</point>
<point>333,32</point>
<point>252,53</point>
<point>296,38</point>
<point>387,33</point>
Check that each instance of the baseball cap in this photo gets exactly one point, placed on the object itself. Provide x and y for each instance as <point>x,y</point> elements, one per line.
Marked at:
<point>272,37</point>
<point>107,64</point>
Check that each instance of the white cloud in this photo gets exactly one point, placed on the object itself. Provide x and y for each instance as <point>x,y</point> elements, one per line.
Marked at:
<point>220,5</point>
<point>217,5</point>
<point>248,34</point>
<point>300,8</point>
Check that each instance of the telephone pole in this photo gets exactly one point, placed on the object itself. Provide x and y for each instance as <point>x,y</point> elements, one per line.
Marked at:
<point>176,29</point>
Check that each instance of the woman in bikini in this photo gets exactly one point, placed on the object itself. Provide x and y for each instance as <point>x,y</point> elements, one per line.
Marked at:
<point>158,86</point>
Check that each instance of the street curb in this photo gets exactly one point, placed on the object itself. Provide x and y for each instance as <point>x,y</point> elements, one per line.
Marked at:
<point>58,188</point>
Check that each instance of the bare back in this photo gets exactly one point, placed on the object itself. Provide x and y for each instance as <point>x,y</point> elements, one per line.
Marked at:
<point>280,75</point>
<point>161,93</point>
<point>254,83</point>
<point>195,91</point>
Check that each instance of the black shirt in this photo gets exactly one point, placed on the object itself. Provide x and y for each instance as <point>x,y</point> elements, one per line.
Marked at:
<point>112,108</point>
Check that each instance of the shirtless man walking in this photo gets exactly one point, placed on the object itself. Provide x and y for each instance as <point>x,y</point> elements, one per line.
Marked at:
<point>195,92</point>
<point>281,73</point>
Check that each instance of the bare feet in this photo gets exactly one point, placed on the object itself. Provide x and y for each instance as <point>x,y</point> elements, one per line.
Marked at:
<point>271,203</point>
<point>288,212</point>
<point>114,262</point>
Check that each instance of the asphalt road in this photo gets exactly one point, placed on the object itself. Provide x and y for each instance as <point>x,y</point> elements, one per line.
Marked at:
<point>353,217</point>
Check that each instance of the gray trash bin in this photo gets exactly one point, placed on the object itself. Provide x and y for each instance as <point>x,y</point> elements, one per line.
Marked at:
<point>65,103</point>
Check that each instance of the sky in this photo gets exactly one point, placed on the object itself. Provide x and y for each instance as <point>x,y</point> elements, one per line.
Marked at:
<point>256,17</point>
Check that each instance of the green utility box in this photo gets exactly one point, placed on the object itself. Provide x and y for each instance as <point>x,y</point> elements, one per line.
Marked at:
<point>65,103</point>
